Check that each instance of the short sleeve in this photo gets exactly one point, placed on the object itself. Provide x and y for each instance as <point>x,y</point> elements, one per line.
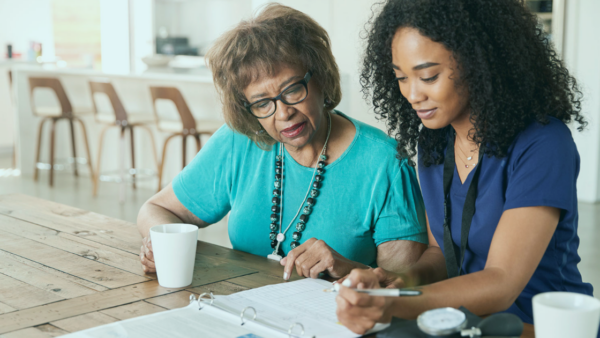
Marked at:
<point>204,185</point>
<point>403,214</point>
<point>544,169</point>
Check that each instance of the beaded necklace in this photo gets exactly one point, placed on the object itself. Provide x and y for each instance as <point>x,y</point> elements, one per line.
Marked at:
<point>277,209</point>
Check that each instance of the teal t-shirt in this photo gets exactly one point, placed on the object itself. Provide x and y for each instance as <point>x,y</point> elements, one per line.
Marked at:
<point>367,197</point>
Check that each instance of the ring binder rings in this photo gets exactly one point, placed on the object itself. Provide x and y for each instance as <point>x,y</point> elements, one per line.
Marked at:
<point>244,311</point>
<point>292,328</point>
<point>208,299</point>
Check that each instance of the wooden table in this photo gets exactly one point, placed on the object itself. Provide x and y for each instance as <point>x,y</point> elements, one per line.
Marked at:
<point>64,269</point>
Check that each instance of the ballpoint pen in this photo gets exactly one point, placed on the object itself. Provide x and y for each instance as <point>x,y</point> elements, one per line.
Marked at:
<point>380,292</point>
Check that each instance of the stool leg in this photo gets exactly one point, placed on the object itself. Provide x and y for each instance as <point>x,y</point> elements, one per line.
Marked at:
<point>132,156</point>
<point>162,160</point>
<point>198,143</point>
<point>37,149</point>
<point>87,149</point>
<point>153,144</point>
<point>97,173</point>
<point>184,149</point>
<point>122,165</point>
<point>52,137</point>
<point>14,156</point>
<point>73,146</point>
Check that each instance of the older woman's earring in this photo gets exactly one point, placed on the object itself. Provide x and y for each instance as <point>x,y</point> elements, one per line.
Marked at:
<point>259,132</point>
<point>327,102</point>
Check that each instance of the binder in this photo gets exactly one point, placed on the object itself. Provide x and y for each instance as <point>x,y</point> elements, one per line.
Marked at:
<point>299,309</point>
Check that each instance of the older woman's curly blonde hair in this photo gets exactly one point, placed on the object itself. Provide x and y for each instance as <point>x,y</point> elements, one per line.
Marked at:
<point>279,35</point>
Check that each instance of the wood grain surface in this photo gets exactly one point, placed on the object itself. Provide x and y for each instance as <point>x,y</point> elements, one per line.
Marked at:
<point>64,269</point>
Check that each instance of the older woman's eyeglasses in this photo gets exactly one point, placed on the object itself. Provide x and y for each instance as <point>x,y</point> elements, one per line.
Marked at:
<point>291,95</point>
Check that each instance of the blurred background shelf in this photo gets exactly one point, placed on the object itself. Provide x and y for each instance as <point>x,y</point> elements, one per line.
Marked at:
<point>551,15</point>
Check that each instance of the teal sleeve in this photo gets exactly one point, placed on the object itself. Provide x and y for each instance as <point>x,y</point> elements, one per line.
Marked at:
<point>403,215</point>
<point>204,185</point>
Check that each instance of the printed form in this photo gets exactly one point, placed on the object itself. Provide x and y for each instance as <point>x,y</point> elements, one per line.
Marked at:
<point>282,305</point>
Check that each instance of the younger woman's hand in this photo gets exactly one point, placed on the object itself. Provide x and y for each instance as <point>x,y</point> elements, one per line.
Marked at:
<point>385,279</point>
<point>359,312</point>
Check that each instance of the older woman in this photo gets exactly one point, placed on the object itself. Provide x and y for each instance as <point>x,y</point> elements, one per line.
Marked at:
<point>299,179</point>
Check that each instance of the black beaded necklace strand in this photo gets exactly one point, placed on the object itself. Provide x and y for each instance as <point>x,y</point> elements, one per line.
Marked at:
<point>277,200</point>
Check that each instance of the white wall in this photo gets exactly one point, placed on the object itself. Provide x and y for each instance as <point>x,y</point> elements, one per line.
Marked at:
<point>582,48</point>
<point>348,24</point>
<point>141,22</point>
<point>114,36</point>
<point>21,22</point>
<point>202,21</point>
<point>165,14</point>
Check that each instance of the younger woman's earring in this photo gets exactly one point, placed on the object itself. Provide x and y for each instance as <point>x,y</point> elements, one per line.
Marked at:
<point>259,132</point>
<point>327,102</point>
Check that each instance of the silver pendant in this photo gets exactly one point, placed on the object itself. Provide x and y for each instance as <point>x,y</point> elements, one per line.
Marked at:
<point>469,158</point>
<point>274,257</point>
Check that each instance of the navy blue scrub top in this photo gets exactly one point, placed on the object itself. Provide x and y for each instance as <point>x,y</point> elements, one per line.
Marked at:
<point>540,169</point>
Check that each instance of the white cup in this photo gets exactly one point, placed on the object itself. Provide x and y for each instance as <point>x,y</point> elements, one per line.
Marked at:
<point>174,248</point>
<point>565,314</point>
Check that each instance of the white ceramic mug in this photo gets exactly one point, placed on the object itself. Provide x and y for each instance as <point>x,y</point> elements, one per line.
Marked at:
<point>174,248</point>
<point>565,314</point>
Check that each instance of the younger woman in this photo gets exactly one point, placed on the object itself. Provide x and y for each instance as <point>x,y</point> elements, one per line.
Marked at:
<point>477,88</point>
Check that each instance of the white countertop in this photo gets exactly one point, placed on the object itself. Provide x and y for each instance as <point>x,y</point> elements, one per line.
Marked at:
<point>198,75</point>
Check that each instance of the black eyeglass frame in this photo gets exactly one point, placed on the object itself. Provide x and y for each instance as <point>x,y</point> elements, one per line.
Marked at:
<point>279,97</point>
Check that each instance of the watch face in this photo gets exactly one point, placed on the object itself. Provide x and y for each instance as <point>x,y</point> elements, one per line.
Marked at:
<point>444,321</point>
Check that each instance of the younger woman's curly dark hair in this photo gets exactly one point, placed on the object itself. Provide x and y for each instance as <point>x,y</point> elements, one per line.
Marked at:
<point>511,71</point>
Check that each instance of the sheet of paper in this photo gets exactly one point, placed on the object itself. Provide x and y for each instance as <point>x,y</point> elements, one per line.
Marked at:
<point>185,322</point>
<point>281,305</point>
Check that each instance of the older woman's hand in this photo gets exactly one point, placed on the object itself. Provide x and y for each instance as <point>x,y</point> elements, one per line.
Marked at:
<point>359,312</point>
<point>147,256</point>
<point>315,256</point>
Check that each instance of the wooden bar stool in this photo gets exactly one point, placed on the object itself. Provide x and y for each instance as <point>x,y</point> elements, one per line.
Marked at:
<point>124,121</point>
<point>188,126</point>
<point>55,114</point>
